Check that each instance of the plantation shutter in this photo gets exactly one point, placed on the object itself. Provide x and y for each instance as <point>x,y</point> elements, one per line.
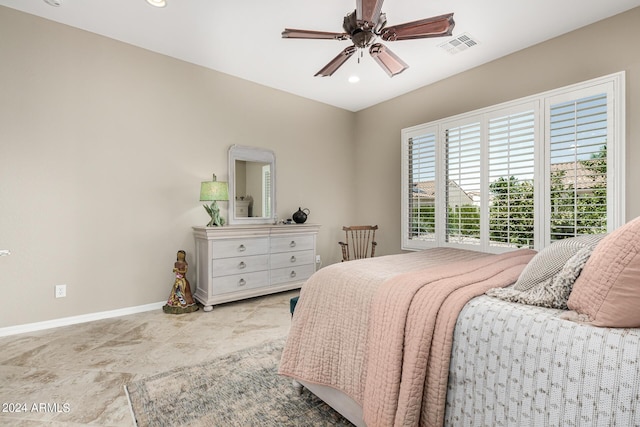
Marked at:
<point>519,174</point>
<point>420,191</point>
<point>511,146</point>
<point>266,191</point>
<point>578,167</point>
<point>462,183</point>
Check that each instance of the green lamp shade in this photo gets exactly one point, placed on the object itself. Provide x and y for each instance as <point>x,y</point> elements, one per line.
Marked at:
<point>214,190</point>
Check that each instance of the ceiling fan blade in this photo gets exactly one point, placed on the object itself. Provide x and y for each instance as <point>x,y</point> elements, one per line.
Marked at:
<point>368,11</point>
<point>438,26</point>
<point>336,62</point>
<point>290,33</point>
<point>389,61</point>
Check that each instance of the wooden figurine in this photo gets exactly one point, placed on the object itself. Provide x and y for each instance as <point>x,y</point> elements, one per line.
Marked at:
<point>180,300</point>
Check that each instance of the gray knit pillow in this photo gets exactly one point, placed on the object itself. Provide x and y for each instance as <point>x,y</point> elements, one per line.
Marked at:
<point>553,292</point>
<point>549,261</point>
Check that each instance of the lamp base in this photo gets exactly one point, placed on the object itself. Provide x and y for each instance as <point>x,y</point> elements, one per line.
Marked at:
<point>214,213</point>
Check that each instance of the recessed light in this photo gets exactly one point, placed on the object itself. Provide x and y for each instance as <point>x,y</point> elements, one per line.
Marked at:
<point>354,79</point>
<point>157,3</point>
<point>54,3</point>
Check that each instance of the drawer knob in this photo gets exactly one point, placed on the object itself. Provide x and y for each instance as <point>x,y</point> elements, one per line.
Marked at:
<point>242,265</point>
<point>292,274</point>
<point>242,282</point>
<point>293,259</point>
<point>241,248</point>
<point>292,244</point>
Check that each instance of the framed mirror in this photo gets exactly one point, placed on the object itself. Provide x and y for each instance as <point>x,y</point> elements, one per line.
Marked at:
<point>252,185</point>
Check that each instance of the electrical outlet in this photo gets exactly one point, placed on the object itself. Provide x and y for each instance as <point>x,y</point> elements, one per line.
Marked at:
<point>61,291</point>
<point>318,260</point>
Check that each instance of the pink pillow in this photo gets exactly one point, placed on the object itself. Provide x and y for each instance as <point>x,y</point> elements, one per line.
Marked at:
<point>607,292</point>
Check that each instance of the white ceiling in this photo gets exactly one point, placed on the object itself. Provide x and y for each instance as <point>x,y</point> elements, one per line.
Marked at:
<point>242,37</point>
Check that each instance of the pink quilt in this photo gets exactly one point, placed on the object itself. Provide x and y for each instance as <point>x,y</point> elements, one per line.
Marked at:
<point>383,336</point>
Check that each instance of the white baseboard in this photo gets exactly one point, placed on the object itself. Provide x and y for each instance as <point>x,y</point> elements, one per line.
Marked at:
<point>66,321</point>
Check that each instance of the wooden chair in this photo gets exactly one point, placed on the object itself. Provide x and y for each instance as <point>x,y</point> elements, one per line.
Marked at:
<point>360,242</point>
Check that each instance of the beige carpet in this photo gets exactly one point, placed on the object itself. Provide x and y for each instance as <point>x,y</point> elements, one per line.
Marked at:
<point>239,389</point>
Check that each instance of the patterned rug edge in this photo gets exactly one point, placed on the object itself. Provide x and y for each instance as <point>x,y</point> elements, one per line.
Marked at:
<point>133,416</point>
<point>232,389</point>
<point>275,342</point>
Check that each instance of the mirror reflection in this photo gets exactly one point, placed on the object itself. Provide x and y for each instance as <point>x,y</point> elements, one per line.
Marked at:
<point>251,185</point>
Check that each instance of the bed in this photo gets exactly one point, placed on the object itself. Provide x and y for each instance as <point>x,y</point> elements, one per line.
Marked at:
<point>348,330</point>
<point>412,339</point>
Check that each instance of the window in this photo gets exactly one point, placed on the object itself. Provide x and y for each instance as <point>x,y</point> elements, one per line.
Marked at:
<point>462,183</point>
<point>577,172</point>
<point>510,169</point>
<point>421,188</point>
<point>520,174</point>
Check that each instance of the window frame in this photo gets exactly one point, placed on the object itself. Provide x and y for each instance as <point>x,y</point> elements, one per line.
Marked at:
<point>613,85</point>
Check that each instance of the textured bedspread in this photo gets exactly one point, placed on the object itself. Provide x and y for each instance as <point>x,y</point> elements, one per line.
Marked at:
<point>411,333</point>
<point>517,365</point>
<point>361,327</point>
<point>328,335</point>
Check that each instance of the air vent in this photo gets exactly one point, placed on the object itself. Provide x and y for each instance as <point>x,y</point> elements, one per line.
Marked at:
<point>459,44</point>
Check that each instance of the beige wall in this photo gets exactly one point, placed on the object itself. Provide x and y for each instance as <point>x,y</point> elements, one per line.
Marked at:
<point>593,51</point>
<point>102,149</point>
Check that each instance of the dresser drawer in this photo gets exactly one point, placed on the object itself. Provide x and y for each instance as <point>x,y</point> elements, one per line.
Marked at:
<point>240,282</point>
<point>291,274</point>
<point>290,259</point>
<point>245,264</point>
<point>240,247</point>
<point>242,208</point>
<point>291,243</point>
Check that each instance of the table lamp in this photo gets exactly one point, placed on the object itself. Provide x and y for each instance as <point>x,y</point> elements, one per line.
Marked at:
<point>214,191</point>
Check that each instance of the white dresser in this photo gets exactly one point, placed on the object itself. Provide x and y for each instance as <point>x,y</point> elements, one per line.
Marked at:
<point>242,208</point>
<point>234,262</point>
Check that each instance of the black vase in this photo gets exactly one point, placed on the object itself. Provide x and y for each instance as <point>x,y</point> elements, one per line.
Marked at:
<point>300,216</point>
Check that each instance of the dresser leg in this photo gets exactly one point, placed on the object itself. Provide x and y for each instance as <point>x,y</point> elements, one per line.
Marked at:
<point>297,387</point>
<point>208,308</point>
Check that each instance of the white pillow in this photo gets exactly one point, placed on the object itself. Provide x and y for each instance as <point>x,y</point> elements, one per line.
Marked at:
<point>549,261</point>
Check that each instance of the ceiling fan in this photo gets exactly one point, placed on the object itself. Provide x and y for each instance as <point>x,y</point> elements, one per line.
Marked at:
<point>364,25</point>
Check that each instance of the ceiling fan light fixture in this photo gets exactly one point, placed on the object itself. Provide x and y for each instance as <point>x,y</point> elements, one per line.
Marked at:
<point>354,79</point>
<point>157,3</point>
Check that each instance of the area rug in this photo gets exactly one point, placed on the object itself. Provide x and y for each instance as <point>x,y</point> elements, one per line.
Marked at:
<point>238,389</point>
